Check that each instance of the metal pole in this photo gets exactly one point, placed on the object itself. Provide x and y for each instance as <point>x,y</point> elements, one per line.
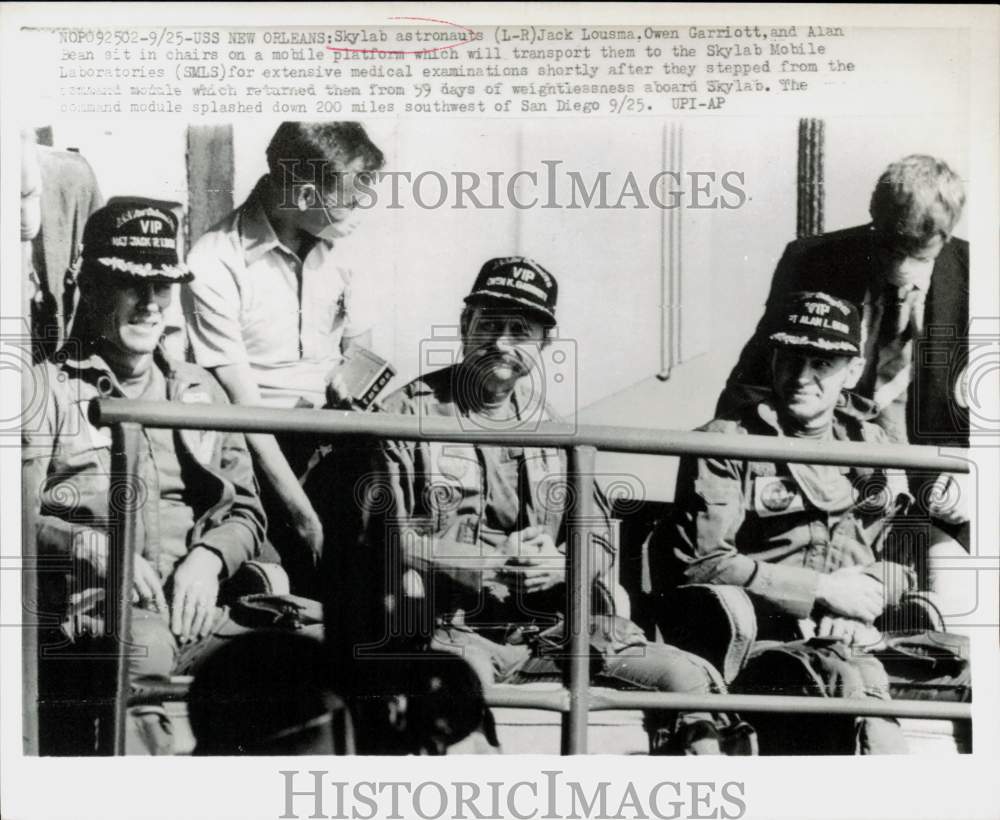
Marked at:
<point>602,700</point>
<point>645,441</point>
<point>581,464</point>
<point>784,704</point>
<point>810,178</point>
<point>514,696</point>
<point>123,508</point>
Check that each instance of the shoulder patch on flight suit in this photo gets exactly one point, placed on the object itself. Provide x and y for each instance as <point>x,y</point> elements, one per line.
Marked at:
<point>776,495</point>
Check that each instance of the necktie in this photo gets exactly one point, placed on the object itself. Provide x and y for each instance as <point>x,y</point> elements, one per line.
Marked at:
<point>894,347</point>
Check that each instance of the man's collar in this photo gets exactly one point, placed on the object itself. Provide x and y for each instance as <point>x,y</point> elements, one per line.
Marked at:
<point>256,232</point>
<point>850,406</point>
<point>79,355</point>
<point>768,413</point>
<point>920,283</point>
<point>84,357</point>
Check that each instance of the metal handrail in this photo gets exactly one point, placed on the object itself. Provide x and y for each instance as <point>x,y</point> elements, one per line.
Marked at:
<point>646,441</point>
<point>603,700</point>
<point>582,442</point>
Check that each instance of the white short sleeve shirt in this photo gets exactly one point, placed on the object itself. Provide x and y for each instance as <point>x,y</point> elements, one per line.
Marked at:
<point>245,306</point>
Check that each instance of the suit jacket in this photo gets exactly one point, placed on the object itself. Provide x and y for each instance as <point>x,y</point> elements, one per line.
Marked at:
<point>70,195</point>
<point>845,264</point>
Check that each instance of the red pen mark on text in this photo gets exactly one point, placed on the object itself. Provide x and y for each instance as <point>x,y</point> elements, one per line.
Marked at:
<point>419,50</point>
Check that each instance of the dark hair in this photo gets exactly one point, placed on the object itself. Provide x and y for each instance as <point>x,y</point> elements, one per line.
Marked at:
<point>432,701</point>
<point>916,199</point>
<point>96,290</point>
<point>296,145</point>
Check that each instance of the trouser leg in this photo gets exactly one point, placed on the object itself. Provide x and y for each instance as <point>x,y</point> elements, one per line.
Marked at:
<point>664,668</point>
<point>877,735</point>
<point>157,654</point>
<point>493,662</point>
<point>822,669</point>
<point>148,729</point>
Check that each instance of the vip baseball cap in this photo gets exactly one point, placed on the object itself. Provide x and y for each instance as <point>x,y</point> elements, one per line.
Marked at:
<point>819,322</point>
<point>134,236</point>
<point>517,280</point>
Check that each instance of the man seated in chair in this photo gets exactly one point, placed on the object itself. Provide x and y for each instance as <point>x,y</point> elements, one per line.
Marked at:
<point>200,518</point>
<point>805,541</point>
<point>476,534</point>
<point>909,276</point>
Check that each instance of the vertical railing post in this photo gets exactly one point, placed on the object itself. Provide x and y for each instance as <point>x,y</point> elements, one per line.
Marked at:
<point>124,500</point>
<point>579,577</point>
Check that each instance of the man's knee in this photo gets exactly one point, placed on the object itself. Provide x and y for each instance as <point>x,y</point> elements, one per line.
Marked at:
<point>665,668</point>
<point>466,645</point>
<point>954,590</point>
<point>148,731</point>
<point>880,736</point>
<point>715,622</point>
<point>873,675</point>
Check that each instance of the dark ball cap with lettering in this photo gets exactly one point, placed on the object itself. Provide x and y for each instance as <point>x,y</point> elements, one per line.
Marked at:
<point>818,322</point>
<point>517,280</point>
<point>134,236</point>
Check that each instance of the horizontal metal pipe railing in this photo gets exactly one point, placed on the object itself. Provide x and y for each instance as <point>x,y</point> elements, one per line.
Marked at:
<point>646,441</point>
<point>557,700</point>
<point>326,423</point>
<point>604,700</point>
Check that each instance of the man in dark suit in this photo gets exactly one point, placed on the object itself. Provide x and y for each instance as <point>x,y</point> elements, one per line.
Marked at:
<point>910,278</point>
<point>906,254</point>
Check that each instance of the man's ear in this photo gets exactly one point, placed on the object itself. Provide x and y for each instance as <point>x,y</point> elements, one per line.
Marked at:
<point>854,370</point>
<point>306,196</point>
<point>772,362</point>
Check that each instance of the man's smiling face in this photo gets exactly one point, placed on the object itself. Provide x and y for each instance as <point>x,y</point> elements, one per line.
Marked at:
<point>807,384</point>
<point>133,318</point>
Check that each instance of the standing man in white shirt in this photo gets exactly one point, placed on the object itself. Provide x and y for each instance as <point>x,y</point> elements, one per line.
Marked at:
<point>275,306</point>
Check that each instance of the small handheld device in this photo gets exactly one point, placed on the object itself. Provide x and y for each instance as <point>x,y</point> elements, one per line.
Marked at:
<point>365,375</point>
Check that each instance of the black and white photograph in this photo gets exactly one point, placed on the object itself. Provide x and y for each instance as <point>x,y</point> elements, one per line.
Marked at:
<point>572,387</point>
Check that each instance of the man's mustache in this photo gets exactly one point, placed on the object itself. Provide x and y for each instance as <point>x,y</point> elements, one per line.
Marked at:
<point>486,358</point>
